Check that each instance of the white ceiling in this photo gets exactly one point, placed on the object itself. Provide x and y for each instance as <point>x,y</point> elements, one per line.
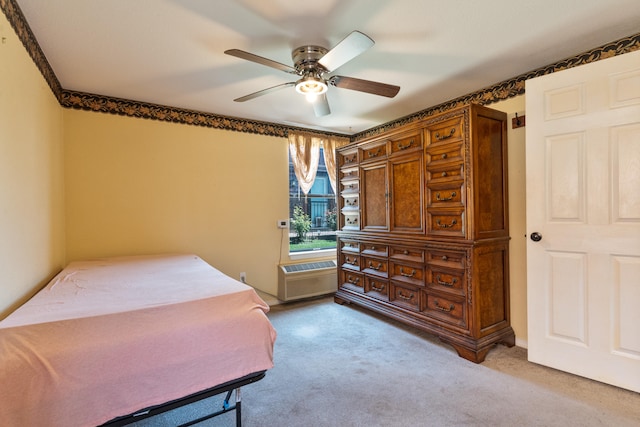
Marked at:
<point>170,52</point>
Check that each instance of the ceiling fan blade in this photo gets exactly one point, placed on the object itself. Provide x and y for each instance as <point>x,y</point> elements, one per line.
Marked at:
<point>321,106</point>
<point>350,47</point>
<point>264,92</point>
<point>260,60</point>
<point>368,86</point>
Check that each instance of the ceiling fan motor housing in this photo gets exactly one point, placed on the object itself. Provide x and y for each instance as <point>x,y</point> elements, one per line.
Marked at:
<point>305,59</point>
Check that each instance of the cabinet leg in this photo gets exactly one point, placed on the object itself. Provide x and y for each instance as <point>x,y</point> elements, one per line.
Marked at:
<point>475,356</point>
<point>340,301</point>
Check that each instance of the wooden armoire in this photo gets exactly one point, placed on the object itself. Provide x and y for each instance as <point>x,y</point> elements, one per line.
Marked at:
<point>423,227</point>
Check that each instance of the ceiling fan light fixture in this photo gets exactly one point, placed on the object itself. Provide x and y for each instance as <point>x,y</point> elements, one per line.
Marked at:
<point>311,86</point>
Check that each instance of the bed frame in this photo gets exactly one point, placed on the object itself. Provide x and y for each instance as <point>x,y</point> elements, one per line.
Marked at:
<point>111,341</point>
<point>227,388</point>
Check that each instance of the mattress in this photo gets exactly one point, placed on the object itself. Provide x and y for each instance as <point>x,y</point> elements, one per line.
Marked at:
<point>108,337</point>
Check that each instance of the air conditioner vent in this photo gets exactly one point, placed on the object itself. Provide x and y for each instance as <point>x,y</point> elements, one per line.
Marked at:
<point>304,280</point>
<point>291,268</point>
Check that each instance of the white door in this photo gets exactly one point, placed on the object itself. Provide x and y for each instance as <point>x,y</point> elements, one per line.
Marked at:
<point>583,200</point>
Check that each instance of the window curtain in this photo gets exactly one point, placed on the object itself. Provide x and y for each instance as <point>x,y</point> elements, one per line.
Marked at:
<point>305,154</point>
<point>330,144</point>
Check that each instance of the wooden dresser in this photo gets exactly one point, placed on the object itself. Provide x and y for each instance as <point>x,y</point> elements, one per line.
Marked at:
<point>423,231</point>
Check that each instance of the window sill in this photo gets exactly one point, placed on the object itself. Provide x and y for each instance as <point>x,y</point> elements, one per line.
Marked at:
<point>323,253</point>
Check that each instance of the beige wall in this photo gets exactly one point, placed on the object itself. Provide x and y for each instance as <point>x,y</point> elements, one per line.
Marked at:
<point>31,192</point>
<point>137,186</point>
<point>517,218</point>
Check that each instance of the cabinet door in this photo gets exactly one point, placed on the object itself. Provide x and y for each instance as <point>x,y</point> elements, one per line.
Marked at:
<point>374,197</point>
<point>406,195</point>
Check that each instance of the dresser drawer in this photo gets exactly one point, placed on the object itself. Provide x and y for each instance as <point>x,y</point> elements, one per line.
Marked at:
<point>407,254</point>
<point>350,261</point>
<point>447,258</point>
<point>450,194</point>
<point>349,187</point>
<point>447,173</point>
<point>352,281</point>
<point>375,266</point>
<point>407,273</point>
<point>405,144</point>
<point>375,249</point>
<point>350,173</point>
<point>373,152</point>
<point>448,309</point>
<point>348,157</point>
<point>448,280</point>
<point>351,220</point>
<point>376,288</point>
<point>405,296</point>
<point>349,246</point>
<point>446,223</point>
<point>445,131</point>
<point>351,201</point>
<point>447,153</point>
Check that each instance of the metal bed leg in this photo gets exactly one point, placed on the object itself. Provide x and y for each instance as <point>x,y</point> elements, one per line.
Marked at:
<point>238,408</point>
<point>226,407</point>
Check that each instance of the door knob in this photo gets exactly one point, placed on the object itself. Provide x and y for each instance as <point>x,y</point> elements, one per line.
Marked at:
<point>536,237</point>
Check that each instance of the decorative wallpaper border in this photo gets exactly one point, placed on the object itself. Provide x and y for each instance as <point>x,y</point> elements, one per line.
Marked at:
<point>110,105</point>
<point>512,87</point>
<point>17,20</point>
<point>124,107</point>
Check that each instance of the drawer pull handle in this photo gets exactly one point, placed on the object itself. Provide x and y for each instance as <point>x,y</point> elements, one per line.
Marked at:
<point>404,147</point>
<point>443,156</point>
<point>441,308</point>
<point>373,154</point>
<point>406,252</point>
<point>445,136</point>
<point>352,221</point>
<point>353,261</point>
<point>376,288</point>
<point>412,274</point>
<point>444,174</point>
<point>445,199</point>
<point>453,222</point>
<point>350,159</point>
<point>353,202</point>
<point>450,284</point>
<point>353,280</point>
<point>373,248</point>
<point>444,257</point>
<point>375,268</point>
<point>405,297</point>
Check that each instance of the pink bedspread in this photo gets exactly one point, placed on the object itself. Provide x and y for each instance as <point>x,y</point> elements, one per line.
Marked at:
<point>109,337</point>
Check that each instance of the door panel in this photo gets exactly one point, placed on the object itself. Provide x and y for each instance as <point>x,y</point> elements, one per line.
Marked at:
<point>406,198</point>
<point>375,197</point>
<point>583,197</point>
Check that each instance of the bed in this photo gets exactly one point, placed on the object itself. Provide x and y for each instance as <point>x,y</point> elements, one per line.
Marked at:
<point>109,338</point>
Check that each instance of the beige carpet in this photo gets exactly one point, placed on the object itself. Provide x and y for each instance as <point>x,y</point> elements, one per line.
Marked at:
<point>344,366</point>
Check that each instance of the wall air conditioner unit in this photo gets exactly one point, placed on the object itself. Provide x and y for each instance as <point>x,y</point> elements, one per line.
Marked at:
<point>297,281</point>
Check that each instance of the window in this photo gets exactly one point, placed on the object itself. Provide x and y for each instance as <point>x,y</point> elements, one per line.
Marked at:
<point>312,216</point>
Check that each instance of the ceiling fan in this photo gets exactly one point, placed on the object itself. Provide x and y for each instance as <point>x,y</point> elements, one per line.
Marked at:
<point>312,63</point>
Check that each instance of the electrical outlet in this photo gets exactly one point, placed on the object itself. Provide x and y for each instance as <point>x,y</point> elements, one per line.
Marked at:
<point>283,223</point>
<point>243,277</point>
